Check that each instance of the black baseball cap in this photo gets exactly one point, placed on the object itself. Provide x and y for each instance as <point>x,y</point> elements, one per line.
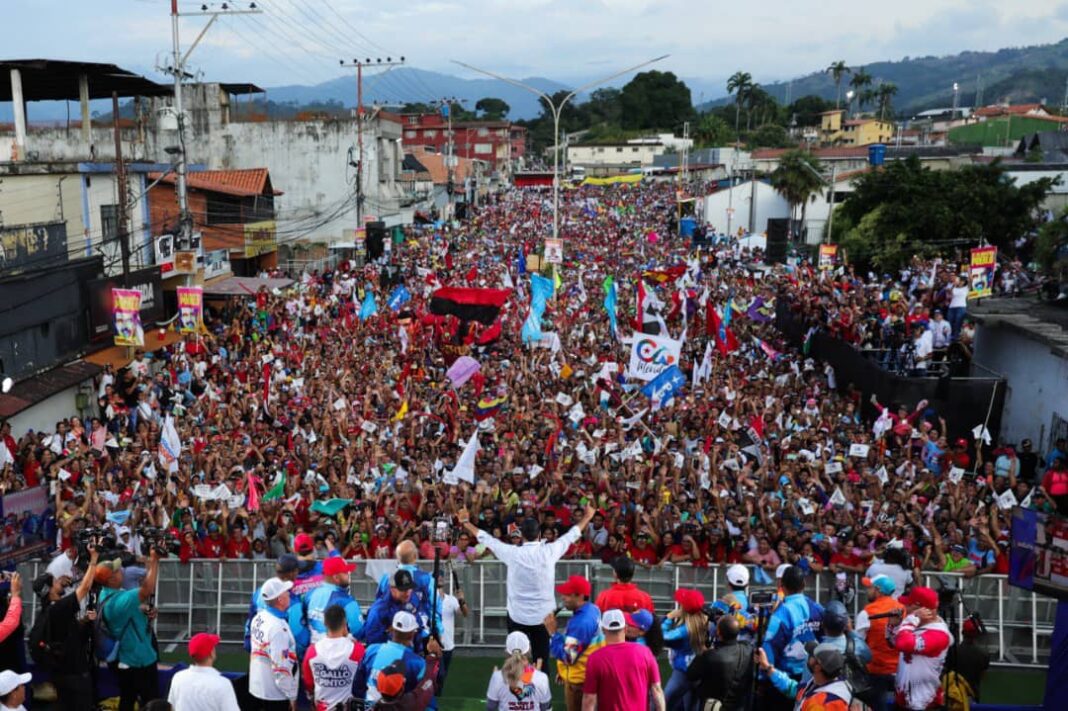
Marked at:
<point>402,580</point>
<point>287,563</point>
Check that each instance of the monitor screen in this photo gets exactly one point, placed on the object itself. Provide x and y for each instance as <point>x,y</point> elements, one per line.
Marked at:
<point>1038,558</point>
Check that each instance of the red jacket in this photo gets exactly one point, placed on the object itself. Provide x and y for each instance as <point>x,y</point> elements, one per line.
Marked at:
<point>624,596</point>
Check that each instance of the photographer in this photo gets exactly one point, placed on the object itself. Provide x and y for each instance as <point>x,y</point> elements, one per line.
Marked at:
<point>126,615</point>
<point>66,636</point>
<point>725,672</point>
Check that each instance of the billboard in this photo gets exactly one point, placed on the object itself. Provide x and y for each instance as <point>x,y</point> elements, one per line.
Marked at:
<point>260,238</point>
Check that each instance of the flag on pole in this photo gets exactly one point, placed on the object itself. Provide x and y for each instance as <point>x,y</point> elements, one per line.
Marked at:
<point>465,466</point>
<point>610,297</point>
<point>726,341</point>
<point>278,490</point>
<point>541,290</point>
<point>170,446</point>
<point>368,308</point>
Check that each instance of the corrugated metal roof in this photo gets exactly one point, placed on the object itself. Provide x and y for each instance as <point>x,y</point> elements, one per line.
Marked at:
<point>27,393</point>
<point>51,79</point>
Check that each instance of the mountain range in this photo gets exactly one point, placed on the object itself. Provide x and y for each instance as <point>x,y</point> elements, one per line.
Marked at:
<point>1016,74</point>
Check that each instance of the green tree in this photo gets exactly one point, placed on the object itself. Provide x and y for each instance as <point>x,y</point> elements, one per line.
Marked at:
<point>859,83</point>
<point>807,109</point>
<point>838,70</point>
<point>711,130</point>
<point>604,106</point>
<point>492,109</point>
<point>1052,243</point>
<point>769,135</point>
<point>739,85</point>
<point>655,100</point>
<point>418,107</point>
<point>798,180</point>
<point>884,97</point>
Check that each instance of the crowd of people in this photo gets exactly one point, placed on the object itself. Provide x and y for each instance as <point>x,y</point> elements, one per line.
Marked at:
<point>323,425</point>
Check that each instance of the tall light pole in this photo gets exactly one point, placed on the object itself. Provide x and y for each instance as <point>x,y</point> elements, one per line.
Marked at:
<point>556,109</point>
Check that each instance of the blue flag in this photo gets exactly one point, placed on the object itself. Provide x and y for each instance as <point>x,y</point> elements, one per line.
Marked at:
<point>399,297</point>
<point>541,290</point>
<point>118,518</point>
<point>521,262</point>
<point>368,308</point>
<point>663,387</point>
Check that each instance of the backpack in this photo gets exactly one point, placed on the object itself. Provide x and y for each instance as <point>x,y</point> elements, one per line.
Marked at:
<point>46,652</point>
<point>105,643</point>
<point>856,674</point>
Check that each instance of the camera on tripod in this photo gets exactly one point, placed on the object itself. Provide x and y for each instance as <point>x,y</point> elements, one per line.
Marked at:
<point>103,539</point>
<point>159,540</point>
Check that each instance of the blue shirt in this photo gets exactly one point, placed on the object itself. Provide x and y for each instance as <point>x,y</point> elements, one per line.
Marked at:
<point>323,597</point>
<point>377,658</point>
<point>376,628</point>
<point>422,594</point>
<point>793,624</point>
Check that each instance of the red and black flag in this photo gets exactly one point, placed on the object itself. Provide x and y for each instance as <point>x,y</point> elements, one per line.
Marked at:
<point>482,305</point>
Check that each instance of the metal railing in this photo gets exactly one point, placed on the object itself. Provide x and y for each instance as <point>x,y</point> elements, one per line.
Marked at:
<point>214,595</point>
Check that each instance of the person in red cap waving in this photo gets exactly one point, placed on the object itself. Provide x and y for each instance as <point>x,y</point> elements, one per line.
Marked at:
<point>572,647</point>
<point>201,687</point>
<point>686,637</point>
<point>923,639</point>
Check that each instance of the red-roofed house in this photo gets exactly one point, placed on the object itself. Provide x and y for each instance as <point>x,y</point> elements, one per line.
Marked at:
<point>231,209</point>
<point>995,110</point>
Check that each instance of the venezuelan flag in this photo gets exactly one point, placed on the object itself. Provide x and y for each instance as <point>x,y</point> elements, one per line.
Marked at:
<point>489,407</point>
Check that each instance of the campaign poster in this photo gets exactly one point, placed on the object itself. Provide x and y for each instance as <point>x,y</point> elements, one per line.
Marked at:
<point>190,308</point>
<point>981,274</point>
<point>652,355</point>
<point>828,252</point>
<point>554,251</point>
<point>126,313</point>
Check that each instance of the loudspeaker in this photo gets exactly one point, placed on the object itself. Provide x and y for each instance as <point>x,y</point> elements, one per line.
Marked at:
<point>778,240</point>
<point>376,238</point>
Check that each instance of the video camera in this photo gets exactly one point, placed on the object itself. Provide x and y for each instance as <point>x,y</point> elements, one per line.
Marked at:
<point>160,540</point>
<point>102,539</point>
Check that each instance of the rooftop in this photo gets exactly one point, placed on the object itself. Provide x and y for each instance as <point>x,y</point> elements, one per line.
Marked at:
<point>57,80</point>
<point>1042,321</point>
<point>248,182</point>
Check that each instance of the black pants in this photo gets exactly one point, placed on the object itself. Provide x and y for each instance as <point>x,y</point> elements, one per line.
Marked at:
<point>74,691</point>
<point>137,684</point>
<point>443,670</point>
<point>539,640</point>
<point>262,705</point>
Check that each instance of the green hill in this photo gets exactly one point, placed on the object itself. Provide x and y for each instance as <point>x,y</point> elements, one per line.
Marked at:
<point>1018,74</point>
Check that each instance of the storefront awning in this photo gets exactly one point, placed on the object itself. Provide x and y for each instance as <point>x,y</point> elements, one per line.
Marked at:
<point>243,286</point>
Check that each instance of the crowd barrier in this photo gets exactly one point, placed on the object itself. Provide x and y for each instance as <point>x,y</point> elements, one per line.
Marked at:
<point>213,595</point>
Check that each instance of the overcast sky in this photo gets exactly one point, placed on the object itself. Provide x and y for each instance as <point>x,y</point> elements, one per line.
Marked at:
<point>300,41</point>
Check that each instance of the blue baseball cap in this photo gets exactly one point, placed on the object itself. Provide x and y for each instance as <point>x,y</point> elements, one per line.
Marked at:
<point>882,583</point>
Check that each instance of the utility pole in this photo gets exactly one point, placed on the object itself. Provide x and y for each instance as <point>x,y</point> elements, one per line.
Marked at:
<point>177,70</point>
<point>120,182</point>
<point>377,64</point>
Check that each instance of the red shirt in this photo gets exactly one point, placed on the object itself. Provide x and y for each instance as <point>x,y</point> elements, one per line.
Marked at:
<point>580,549</point>
<point>209,547</point>
<point>646,555</point>
<point>624,596</point>
<point>239,549</point>
<point>381,548</point>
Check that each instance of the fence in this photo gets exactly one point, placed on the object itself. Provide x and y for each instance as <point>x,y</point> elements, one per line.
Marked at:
<point>214,595</point>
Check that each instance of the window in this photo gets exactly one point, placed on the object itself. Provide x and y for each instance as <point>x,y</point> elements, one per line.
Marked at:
<point>429,133</point>
<point>409,134</point>
<point>483,132</point>
<point>109,222</point>
<point>483,148</point>
<point>619,150</point>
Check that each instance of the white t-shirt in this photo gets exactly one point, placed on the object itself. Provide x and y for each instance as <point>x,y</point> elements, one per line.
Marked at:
<point>202,689</point>
<point>449,607</point>
<point>960,297</point>
<point>535,695</point>
<point>60,566</point>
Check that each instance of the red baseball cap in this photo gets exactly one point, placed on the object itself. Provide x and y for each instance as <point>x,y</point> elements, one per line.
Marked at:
<point>201,644</point>
<point>336,564</point>
<point>921,597</point>
<point>575,585</point>
<point>303,543</point>
<point>690,600</point>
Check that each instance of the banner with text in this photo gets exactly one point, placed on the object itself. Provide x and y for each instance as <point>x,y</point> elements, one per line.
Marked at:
<point>981,274</point>
<point>828,253</point>
<point>126,314</point>
<point>190,308</point>
<point>652,355</point>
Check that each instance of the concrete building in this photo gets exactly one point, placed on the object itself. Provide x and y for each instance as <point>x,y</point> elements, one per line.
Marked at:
<point>836,130</point>
<point>849,158</point>
<point>599,159</point>
<point>500,144</point>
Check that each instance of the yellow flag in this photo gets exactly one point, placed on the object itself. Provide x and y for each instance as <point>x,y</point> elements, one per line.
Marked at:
<point>566,371</point>
<point>401,412</point>
<point>557,281</point>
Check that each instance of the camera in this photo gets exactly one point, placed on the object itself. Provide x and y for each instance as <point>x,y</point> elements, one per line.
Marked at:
<point>160,540</point>
<point>107,546</point>
<point>762,598</point>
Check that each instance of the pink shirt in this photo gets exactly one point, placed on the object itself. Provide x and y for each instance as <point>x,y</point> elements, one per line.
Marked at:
<point>620,675</point>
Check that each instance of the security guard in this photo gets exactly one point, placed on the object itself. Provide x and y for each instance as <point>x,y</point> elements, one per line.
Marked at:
<point>334,590</point>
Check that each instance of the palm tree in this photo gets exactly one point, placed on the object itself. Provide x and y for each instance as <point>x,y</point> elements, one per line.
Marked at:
<point>739,85</point>
<point>755,98</point>
<point>838,70</point>
<point>859,83</point>
<point>798,180</point>
<point>885,94</point>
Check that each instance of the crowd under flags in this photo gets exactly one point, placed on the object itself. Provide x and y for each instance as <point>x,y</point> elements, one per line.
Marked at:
<point>610,298</point>
<point>541,290</point>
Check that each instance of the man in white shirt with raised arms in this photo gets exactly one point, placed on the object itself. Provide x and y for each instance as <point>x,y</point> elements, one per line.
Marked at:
<point>531,575</point>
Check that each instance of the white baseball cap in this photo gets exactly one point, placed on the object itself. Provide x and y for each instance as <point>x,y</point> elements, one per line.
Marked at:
<point>517,642</point>
<point>738,575</point>
<point>405,622</point>
<point>9,681</point>
<point>275,587</point>
<point>613,620</point>
<point>780,570</point>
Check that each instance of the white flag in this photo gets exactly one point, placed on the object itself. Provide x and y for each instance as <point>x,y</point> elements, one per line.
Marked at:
<point>402,333</point>
<point>465,467</point>
<point>170,446</point>
<point>5,455</point>
<point>838,498</point>
<point>1007,500</point>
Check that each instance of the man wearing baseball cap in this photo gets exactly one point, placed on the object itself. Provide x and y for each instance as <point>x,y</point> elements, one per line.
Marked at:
<point>883,666</point>
<point>580,638</point>
<point>383,611</point>
<point>621,676</point>
<point>272,674</point>
<point>334,590</point>
<point>392,675</point>
<point>824,691</point>
<point>923,640</point>
<point>423,592</point>
<point>13,689</point>
<point>201,687</point>
<point>286,568</point>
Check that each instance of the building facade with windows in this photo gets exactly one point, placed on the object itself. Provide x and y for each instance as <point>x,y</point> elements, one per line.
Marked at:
<point>501,144</point>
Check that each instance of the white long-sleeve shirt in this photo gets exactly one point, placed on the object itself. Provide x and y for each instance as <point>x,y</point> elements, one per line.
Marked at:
<point>272,671</point>
<point>531,574</point>
<point>202,689</point>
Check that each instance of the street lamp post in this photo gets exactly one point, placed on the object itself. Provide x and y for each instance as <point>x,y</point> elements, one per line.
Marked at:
<point>556,110</point>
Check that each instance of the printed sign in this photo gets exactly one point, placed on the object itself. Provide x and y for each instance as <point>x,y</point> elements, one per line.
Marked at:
<point>828,253</point>
<point>651,355</point>
<point>190,308</point>
<point>554,251</point>
<point>981,274</point>
<point>126,316</point>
